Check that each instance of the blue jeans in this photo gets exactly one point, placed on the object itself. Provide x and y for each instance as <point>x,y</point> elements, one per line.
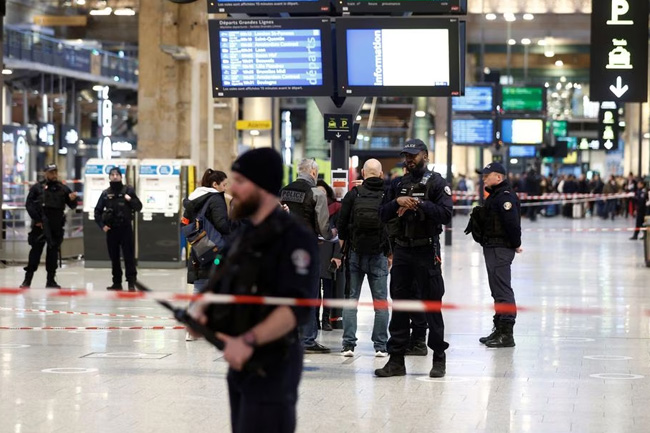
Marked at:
<point>199,285</point>
<point>376,268</point>
<point>309,331</point>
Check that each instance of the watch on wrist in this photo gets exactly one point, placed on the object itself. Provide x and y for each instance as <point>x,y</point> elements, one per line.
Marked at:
<point>249,339</point>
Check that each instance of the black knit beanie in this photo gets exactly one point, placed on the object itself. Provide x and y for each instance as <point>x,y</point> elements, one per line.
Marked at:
<point>263,167</point>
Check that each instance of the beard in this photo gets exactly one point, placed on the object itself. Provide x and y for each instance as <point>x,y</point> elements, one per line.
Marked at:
<point>418,170</point>
<point>245,208</point>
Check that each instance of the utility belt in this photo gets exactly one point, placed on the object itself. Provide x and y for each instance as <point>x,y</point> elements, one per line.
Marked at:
<point>411,243</point>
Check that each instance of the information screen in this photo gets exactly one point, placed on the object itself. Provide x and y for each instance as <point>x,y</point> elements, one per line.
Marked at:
<point>271,57</point>
<point>522,131</point>
<point>472,131</point>
<point>387,6</point>
<point>476,99</point>
<point>522,151</point>
<point>268,6</point>
<point>523,99</point>
<point>398,56</point>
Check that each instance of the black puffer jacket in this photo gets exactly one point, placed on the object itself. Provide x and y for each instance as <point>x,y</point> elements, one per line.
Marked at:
<point>217,214</point>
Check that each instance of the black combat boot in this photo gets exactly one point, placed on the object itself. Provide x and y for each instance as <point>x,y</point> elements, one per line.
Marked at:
<point>416,348</point>
<point>131,286</point>
<point>394,367</point>
<point>27,282</point>
<point>494,331</point>
<point>114,287</point>
<point>439,366</point>
<point>504,337</point>
<point>50,282</point>
<point>325,323</point>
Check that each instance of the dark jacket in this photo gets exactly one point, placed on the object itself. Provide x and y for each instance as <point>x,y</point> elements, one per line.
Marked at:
<point>42,209</point>
<point>503,204</point>
<point>216,213</point>
<point>327,250</point>
<point>133,205</point>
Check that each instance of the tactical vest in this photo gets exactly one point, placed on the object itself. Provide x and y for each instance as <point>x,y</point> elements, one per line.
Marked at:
<point>54,196</point>
<point>415,229</point>
<point>494,234</point>
<point>368,232</point>
<point>298,196</point>
<point>117,211</point>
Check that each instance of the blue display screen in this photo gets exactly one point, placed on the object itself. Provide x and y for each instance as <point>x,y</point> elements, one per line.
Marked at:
<point>472,131</point>
<point>522,131</point>
<point>476,99</point>
<point>523,151</point>
<point>395,57</point>
<point>271,58</point>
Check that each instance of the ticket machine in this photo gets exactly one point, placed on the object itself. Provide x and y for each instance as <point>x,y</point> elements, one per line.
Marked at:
<point>96,181</point>
<point>162,185</point>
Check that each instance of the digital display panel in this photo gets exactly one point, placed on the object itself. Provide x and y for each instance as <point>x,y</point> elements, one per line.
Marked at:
<point>523,99</point>
<point>522,151</point>
<point>522,131</point>
<point>428,7</point>
<point>268,6</point>
<point>398,56</point>
<point>477,99</point>
<point>271,57</point>
<point>472,131</point>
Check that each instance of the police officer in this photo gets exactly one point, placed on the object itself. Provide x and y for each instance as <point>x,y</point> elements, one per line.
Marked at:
<point>640,199</point>
<point>422,203</point>
<point>309,204</point>
<point>500,236</point>
<point>274,255</point>
<point>114,215</point>
<point>45,205</point>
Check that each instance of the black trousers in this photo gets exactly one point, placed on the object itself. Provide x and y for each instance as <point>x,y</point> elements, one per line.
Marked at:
<point>266,404</point>
<point>122,238</point>
<point>498,261</point>
<point>640,217</point>
<point>37,239</point>
<point>416,274</point>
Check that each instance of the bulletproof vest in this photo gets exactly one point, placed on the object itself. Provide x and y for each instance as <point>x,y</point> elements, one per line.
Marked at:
<point>298,196</point>
<point>368,232</point>
<point>413,224</point>
<point>493,232</point>
<point>116,212</point>
<point>54,196</point>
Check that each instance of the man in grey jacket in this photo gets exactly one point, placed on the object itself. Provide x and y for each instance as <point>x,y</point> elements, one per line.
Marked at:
<point>309,204</point>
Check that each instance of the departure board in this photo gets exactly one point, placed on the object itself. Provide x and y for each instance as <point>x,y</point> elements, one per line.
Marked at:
<point>523,99</point>
<point>428,7</point>
<point>271,57</point>
<point>472,131</point>
<point>476,99</point>
<point>268,6</point>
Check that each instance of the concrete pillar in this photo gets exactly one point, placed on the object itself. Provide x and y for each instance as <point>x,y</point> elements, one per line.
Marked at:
<point>315,144</point>
<point>440,147</point>
<point>421,125</point>
<point>631,154</point>
<point>257,109</point>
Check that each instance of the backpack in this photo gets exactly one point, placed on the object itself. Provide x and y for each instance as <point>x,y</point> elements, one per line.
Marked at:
<point>368,232</point>
<point>476,223</point>
<point>205,240</point>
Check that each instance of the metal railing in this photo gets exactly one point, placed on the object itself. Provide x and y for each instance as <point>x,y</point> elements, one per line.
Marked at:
<point>35,47</point>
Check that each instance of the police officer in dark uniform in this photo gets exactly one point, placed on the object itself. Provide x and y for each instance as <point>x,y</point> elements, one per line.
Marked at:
<point>498,223</point>
<point>114,215</point>
<point>274,255</point>
<point>640,199</point>
<point>45,205</point>
<point>422,203</point>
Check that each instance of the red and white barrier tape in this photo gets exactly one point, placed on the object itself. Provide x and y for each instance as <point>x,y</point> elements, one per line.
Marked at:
<point>463,195</point>
<point>90,328</point>
<point>75,313</point>
<point>395,305</point>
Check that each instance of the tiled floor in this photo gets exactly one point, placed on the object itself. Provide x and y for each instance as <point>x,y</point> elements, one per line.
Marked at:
<point>571,371</point>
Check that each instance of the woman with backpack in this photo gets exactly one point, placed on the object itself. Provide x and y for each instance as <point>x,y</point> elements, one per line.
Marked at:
<point>206,202</point>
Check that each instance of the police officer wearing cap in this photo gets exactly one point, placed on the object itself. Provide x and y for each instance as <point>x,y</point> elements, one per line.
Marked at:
<point>45,205</point>
<point>274,254</point>
<point>114,215</point>
<point>498,223</point>
<point>421,202</point>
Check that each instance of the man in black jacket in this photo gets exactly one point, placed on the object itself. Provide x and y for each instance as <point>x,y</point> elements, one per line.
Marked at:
<point>45,205</point>
<point>360,225</point>
<point>114,215</point>
<point>640,200</point>
<point>501,239</point>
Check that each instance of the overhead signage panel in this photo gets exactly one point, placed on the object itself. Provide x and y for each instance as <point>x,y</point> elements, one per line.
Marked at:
<point>338,126</point>
<point>473,131</point>
<point>619,64</point>
<point>268,6</point>
<point>428,7</point>
<point>608,128</point>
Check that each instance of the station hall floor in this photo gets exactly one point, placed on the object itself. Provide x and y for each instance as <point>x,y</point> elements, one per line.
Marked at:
<point>581,363</point>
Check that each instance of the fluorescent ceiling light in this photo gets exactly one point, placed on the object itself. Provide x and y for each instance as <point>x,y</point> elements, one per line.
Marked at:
<point>511,42</point>
<point>491,17</point>
<point>105,11</point>
<point>541,42</point>
<point>124,12</point>
<point>525,41</point>
<point>529,17</point>
<point>559,63</point>
<point>420,113</point>
<point>7,71</point>
<point>509,16</point>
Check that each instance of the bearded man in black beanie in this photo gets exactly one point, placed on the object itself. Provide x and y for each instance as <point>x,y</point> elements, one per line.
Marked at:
<point>273,256</point>
<point>114,215</point>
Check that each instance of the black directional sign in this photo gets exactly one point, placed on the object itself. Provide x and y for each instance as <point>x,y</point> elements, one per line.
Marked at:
<point>608,126</point>
<point>338,126</point>
<point>619,50</point>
